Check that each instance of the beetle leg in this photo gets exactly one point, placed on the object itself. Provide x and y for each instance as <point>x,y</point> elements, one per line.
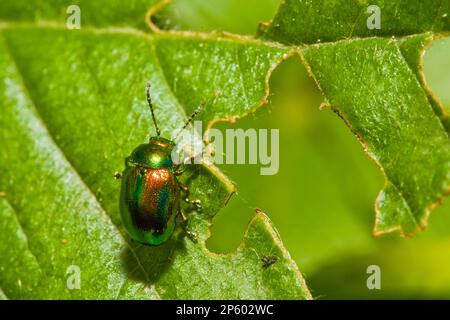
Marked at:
<point>183,187</point>
<point>197,203</point>
<point>179,171</point>
<point>184,225</point>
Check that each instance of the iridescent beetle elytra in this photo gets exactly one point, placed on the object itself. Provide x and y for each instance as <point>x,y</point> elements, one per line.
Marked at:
<point>151,192</point>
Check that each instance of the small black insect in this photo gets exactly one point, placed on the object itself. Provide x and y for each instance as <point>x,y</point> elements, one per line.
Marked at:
<point>269,260</point>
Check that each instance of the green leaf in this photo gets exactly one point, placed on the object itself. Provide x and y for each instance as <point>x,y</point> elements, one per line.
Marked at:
<point>97,71</point>
<point>72,109</point>
<point>308,22</point>
<point>387,108</point>
<point>99,13</point>
<point>375,85</point>
<point>329,186</point>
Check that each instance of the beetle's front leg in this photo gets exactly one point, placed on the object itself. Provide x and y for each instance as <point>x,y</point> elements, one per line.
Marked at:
<point>184,225</point>
<point>197,203</point>
<point>179,170</point>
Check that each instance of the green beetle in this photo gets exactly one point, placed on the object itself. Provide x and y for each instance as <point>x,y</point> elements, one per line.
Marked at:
<point>150,192</point>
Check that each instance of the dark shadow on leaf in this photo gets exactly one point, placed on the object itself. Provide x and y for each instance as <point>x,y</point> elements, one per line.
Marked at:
<point>155,261</point>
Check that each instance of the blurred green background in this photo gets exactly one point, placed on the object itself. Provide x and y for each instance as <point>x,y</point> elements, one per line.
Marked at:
<point>322,199</point>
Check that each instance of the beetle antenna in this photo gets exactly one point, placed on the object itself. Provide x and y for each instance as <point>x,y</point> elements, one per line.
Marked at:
<point>193,115</point>
<point>149,100</point>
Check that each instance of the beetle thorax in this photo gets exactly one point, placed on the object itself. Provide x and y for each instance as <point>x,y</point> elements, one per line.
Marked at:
<point>155,154</point>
